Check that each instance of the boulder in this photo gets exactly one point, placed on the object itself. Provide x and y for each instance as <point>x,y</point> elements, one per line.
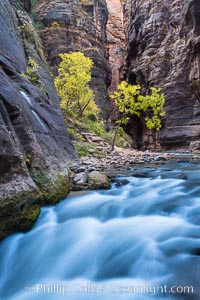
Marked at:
<point>98,180</point>
<point>140,175</point>
<point>81,178</point>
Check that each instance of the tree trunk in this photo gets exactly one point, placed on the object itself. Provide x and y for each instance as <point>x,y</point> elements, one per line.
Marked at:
<point>114,137</point>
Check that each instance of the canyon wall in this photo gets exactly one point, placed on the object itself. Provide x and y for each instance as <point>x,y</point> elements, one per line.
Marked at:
<point>34,146</point>
<point>116,42</point>
<point>151,43</point>
<point>163,52</point>
<point>72,25</point>
<point>192,33</point>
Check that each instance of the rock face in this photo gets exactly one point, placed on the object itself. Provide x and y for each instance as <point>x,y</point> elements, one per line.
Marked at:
<point>74,25</point>
<point>158,43</point>
<point>34,146</point>
<point>192,33</point>
<point>116,41</point>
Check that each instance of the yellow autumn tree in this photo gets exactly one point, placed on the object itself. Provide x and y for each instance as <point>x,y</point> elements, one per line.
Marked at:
<point>72,84</point>
<point>130,101</point>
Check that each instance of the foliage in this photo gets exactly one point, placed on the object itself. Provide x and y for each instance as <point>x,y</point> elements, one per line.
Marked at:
<point>33,3</point>
<point>30,36</point>
<point>32,66</point>
<point>97,127</point>
<point>72,84</point>
<point>28,159</point>
<point>74,134</point>
<point>130,102</point>
<point>32,74</point>
<point>92,117</point>
<point>55,25</point>
<point>39,26</point>
<point>84,2</point>
<point>32,71</point>
<point>81,149</point>
<point>28,32</point>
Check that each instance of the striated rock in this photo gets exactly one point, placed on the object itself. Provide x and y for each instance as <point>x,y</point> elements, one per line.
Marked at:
<point>98,180</point>
<point>25,4</point>
<point>116,44</point>
<point>34,146</point>
<point>157,56</point>
<point>72,26</point>
<point>116,41</point>
<point>192,33</point>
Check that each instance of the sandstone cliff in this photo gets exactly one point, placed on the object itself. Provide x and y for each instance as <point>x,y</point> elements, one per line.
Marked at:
<point>116,41</point>
<point>192,34</point>
<point>34,146</point>
<point>162,50</point>
<point>72,25</point>
<point>158,56</point>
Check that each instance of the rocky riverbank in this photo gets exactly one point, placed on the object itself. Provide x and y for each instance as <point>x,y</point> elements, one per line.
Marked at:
<point>103,170</point>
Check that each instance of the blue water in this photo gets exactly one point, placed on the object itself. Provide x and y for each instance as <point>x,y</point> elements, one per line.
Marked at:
<point>138,241</point>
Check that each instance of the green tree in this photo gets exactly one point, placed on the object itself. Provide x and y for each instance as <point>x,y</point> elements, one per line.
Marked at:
<point>72,84</point>
<point>130,102</point>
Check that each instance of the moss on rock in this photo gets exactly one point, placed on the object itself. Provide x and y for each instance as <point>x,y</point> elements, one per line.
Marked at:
<point>20,210</point>
<point>28,217</point>
<point>51,190</point>
<point>22,221</point>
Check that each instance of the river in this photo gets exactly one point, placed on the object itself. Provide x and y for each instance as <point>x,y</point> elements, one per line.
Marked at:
<point>137,241</point>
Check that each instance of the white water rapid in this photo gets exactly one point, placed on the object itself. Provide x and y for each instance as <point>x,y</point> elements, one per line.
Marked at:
<point>138,241</point>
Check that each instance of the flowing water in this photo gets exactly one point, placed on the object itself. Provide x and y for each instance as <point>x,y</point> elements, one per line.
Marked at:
<point>138,241</point>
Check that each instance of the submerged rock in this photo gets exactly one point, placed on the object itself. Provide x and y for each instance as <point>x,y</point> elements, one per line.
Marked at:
<point>140,175</point>
<point>182,176</point>
<point>121,182</point>
<point>160,158</point>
